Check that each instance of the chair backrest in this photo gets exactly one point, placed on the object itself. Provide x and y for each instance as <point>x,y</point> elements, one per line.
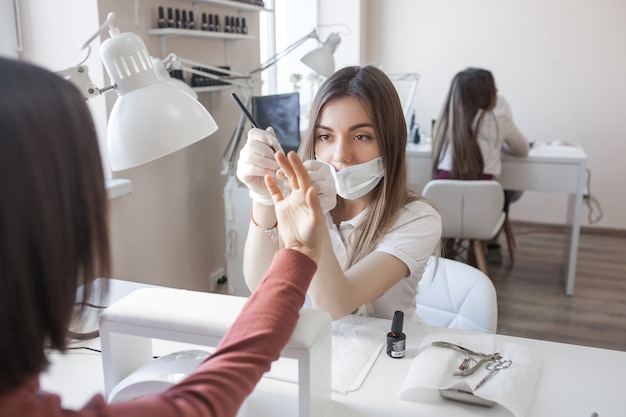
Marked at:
<point>468,209</point>
<point>457,296</point>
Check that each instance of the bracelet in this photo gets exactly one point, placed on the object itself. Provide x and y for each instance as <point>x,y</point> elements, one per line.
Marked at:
<point>271,232</point>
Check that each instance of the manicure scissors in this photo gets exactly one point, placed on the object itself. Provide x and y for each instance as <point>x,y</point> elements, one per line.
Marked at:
<point>494,367</point>
<point>483,357</point>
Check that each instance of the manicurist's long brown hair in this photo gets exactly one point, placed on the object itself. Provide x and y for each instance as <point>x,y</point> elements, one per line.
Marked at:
<point>379,98</point>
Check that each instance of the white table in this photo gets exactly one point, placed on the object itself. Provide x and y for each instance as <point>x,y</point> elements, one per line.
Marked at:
<point>575,381</point>
<point>552,169</point>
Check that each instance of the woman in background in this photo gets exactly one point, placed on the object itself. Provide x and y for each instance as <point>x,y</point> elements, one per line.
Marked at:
<point>380,234</point>
<point>474,128</point>
<point>54,238</point>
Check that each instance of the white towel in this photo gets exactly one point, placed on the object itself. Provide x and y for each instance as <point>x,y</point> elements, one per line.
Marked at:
<point>354,350</point>
<point>512,388</point>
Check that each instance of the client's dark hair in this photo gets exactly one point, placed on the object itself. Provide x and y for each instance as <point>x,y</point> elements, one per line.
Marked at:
<point>53,204</point>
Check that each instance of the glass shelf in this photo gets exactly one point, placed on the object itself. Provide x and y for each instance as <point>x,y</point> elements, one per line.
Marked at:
<point>195,33</point>
<point>235,4</point>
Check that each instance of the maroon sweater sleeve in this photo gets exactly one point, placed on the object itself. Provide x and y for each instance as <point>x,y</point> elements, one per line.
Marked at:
<point>264,326</point>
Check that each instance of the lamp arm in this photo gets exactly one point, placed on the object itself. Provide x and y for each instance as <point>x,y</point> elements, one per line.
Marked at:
<point>285,52</point>
<point>230,79</point>
<point>79,76</point>
<point>415,77</point>
<point>175,62</point>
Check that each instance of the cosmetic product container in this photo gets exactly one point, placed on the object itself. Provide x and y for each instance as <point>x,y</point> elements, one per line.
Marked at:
<point>396,340</point>
<point>191,23</point>
<point>161,22</point>
<point>170,18</point>
<point>218,27</point>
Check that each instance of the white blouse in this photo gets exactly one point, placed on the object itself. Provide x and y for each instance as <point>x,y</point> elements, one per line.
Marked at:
<point>412,239</point>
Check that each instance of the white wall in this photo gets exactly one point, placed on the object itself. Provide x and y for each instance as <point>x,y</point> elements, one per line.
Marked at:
<point>560,63</point>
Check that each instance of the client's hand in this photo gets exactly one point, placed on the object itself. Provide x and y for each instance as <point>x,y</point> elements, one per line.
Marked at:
<point>300,218</point>
<point>256,160</point>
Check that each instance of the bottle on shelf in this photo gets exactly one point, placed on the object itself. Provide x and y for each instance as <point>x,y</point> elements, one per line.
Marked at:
<point>244,28</point>
<point>205,24</point>
<point>170,18</point>
<point>161,22</point>
<point>177,19</point>
<point>211,24</point>
<point>227,27</point>
<point>191,23</point>
<point>218,27</point>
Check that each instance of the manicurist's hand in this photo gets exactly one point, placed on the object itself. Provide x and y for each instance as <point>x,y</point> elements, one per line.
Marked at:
<point>300,217</point>
<point>324,182</point>
<point>256,160</point>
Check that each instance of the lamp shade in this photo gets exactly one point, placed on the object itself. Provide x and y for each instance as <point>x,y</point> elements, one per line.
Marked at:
<point>165,76</point>
<point>154,121</point>
<point>151,118</point>
<point>321,60</point>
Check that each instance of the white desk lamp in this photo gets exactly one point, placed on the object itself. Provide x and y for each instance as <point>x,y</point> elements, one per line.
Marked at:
<point>151,118</point>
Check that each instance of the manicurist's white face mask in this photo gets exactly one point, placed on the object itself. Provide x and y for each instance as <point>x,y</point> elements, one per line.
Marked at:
<point>356,181</point>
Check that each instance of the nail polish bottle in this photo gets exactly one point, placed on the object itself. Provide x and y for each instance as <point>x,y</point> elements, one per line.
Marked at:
<point>161,22</point>
<point>244,28</point>
<point>211,24</point>
<point>170,18</point>
<point>396,340</point>
<point>183,19</point>
<point>227,24</point>
<point>218,27</point>
<point>179,22</point>
<point>237,25</point>
<point>191,23</point>
<point>204,25</point>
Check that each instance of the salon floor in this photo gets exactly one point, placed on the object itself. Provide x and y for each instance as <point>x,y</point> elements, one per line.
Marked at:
<point>531,295</point>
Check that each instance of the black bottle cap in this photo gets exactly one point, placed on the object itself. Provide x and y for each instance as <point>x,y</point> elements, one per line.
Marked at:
<point>161,13</point>
<point>398,321</point>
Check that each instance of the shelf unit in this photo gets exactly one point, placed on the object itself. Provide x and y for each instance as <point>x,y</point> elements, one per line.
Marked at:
<point>196,33</point>
<point>165,33</point>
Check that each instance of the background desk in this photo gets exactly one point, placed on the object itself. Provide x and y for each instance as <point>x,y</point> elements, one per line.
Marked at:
<point>575,381</point>
<point>547,169</point>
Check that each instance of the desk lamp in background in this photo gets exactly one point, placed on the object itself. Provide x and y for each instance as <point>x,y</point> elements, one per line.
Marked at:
<point>146,119</point>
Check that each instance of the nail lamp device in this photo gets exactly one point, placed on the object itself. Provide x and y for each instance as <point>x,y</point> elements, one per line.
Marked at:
<point>128,326</point>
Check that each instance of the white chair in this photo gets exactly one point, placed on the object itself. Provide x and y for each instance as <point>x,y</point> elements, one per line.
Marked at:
<point>470,210</point>
<point>458,296</point>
